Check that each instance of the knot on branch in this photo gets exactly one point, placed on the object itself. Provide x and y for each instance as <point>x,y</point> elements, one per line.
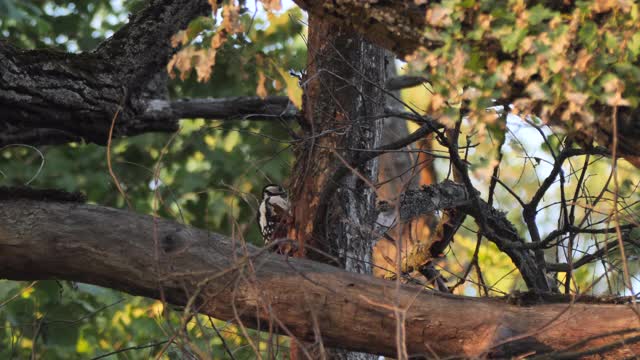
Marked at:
<point>175,241</point>
<point>427,199</point>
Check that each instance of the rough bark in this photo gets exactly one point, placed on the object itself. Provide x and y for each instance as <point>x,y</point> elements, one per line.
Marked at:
<point>343,100</point>
<point>394,25</point>
<point>150,256</point>
<point>79,94</point>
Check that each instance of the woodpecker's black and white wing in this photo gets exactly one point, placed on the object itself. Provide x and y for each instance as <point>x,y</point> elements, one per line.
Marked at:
<point>263,221</point>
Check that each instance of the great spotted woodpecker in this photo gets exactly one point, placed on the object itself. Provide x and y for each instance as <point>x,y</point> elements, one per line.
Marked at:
<point>274,213</point>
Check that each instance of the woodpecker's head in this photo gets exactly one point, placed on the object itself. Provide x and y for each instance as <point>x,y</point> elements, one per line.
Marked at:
<point>273,190</point>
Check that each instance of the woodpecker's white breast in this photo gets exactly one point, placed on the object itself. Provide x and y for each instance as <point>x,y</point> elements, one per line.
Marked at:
<point>262,216</point>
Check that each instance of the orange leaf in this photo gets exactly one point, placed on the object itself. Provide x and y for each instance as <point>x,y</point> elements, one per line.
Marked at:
<point>261,89</point>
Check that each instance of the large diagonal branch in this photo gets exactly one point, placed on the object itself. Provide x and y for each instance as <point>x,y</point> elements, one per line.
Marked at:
<point>151,256</point>
<point>79,94</point>
<point>142,47</point>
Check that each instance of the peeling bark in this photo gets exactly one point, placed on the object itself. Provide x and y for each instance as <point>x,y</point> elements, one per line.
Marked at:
<point>343,95</point>
<point>343,100</point>
<point>400,171</point>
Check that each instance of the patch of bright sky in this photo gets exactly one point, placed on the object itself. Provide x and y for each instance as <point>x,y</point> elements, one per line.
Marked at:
<point>533,143</point>
<point>56,10</point>
<point>120,17</point>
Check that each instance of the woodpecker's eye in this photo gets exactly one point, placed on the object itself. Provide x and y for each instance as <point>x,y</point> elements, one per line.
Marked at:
<point>273,190</point>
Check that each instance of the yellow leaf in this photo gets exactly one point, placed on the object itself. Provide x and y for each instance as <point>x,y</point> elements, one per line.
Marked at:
<point>294,92</point>
<point>439,16</point>
<point>218,39</point>
<point>272,5</point>
<point>231,19</point>
<point>180,38</point>
<point>83,346</point>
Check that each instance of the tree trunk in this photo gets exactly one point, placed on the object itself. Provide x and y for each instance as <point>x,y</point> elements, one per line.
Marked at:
<point>343,102</point>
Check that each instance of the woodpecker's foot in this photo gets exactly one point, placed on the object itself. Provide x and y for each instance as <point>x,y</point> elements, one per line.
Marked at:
<point>286,247</point>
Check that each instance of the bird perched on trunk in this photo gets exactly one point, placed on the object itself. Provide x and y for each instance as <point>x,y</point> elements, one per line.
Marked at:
<point>274,214</point>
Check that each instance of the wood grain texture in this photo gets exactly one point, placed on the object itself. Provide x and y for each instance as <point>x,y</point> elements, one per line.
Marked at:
<point>141,255</point>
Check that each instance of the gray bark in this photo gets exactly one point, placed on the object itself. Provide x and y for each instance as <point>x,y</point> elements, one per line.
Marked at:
<point>78,95</point>
<point>350,75</point>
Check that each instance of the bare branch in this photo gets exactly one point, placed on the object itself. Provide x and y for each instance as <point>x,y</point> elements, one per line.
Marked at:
<point>231,108</point>
<point>494,227</point>
<point>403,82</point>
<point>598,254</point>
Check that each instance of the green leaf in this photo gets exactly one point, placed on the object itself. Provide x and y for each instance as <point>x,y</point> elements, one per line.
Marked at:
<point>511,41</point>
<point>20,311</point>
<point>611,41</point>
<point>634,45</point>
<point>61,334</point>
<point>588,33</point>
<point>538,14</point>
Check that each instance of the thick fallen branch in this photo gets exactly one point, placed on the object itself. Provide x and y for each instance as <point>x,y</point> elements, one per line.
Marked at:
<point>142,255</point>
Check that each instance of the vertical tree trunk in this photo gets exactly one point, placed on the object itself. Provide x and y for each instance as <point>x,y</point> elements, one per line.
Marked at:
<point>343,99</point>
